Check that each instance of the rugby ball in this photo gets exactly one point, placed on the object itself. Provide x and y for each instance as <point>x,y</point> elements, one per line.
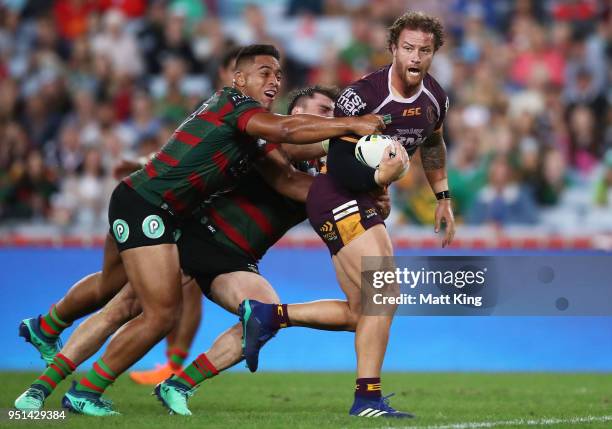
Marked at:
<point>369,150</point>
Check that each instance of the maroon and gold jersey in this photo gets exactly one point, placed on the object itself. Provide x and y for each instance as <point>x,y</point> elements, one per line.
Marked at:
<point>412,119</point>
<point>207,154</point>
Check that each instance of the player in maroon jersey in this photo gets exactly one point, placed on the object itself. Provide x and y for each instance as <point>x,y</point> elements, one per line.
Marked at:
<point>207,154</point>
<point>340,205</point>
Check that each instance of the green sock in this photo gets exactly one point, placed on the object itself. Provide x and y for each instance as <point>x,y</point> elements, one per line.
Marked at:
<point>97,379</point>
<point>61,368</point>
<point>176,357</point>
<point>198,371</point>
<point>51,325</point>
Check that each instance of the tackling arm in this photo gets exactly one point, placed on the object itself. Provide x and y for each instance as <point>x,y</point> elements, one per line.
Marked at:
<point>303,128</point>
<point>304,152</point>
<point>278,172</point>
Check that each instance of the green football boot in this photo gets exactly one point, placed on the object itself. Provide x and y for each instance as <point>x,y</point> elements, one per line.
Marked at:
<point>32,399</point>
<point>87,403</point>
<point>173,396</point>
<point>29,329</point>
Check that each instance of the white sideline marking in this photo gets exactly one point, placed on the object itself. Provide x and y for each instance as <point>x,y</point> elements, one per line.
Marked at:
<point>518,422</point>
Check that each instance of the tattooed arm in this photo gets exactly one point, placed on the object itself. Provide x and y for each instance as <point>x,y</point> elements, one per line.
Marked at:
<point>433,158</point>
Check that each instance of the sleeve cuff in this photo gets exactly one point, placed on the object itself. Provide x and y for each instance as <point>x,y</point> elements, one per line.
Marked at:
<point>244,117</point>
<point>269,147</point>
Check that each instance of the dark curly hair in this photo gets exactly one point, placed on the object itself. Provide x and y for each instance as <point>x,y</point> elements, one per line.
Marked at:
<point>296,95</point>
<point>416,21</point>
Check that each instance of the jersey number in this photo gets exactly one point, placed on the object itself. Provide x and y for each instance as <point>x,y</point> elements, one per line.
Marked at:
<point>199,111</point>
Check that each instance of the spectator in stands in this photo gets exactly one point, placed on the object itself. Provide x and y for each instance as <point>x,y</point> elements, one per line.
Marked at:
<point>467,171</point>
<point>40,121</point>
<point>503,201</point>
<point>552,178</point>
<point>142,122</point>
<point>69,154</point>
<point>169,91</point>
<point>585,146</point>
<point>355,58</point>
<point>34,184</point>
<point>72,17</point>
<point>603,185</point>
<point>527,82</point>
<point>151,34</point>
<point>117,44</point>
<point>175,43</point>
<point>538,56</point>
<point>85,194</point>
<point>412,197</point>
<point>254,27</point>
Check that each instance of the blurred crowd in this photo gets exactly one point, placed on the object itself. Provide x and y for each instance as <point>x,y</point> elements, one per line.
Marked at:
<point>84,83</point>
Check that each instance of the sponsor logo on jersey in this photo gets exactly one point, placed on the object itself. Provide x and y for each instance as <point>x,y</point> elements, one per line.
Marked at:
<point>121,230</point>
<point>327,231</point>
<point>253,268</point>
<point>350,102</point>
<point>153,226</point>
<point>413,131</point>
<point>409,136</point>
<point>371,212</point>
<point>238,99</point>
<point>413,111</point>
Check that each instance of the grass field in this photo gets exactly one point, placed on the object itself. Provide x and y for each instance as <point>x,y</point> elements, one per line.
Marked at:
<point>321,400</point>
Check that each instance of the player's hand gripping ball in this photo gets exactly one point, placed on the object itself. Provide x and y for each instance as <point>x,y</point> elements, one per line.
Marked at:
<point>369,150</point>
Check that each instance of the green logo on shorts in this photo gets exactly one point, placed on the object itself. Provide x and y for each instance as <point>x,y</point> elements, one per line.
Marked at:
<point>153,226</point>
<point>121,230</point>
<point>177,235</point>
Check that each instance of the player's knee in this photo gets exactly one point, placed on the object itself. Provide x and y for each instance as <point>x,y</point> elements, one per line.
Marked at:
<point>116,315</point>
<point>351,320</point>
<point>162,320</point>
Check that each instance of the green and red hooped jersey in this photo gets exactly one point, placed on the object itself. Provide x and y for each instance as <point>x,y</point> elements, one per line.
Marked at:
<point>207,154</point>
<point>253,216</point>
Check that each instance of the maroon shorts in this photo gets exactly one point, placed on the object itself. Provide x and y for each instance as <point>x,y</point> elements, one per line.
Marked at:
<point>337,215</point>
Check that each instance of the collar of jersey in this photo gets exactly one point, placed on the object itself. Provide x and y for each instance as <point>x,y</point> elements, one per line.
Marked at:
<point>398,98</point>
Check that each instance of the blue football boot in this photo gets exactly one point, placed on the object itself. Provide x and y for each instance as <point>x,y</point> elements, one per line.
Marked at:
<point>379,407</point>
<point>256,318</point>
